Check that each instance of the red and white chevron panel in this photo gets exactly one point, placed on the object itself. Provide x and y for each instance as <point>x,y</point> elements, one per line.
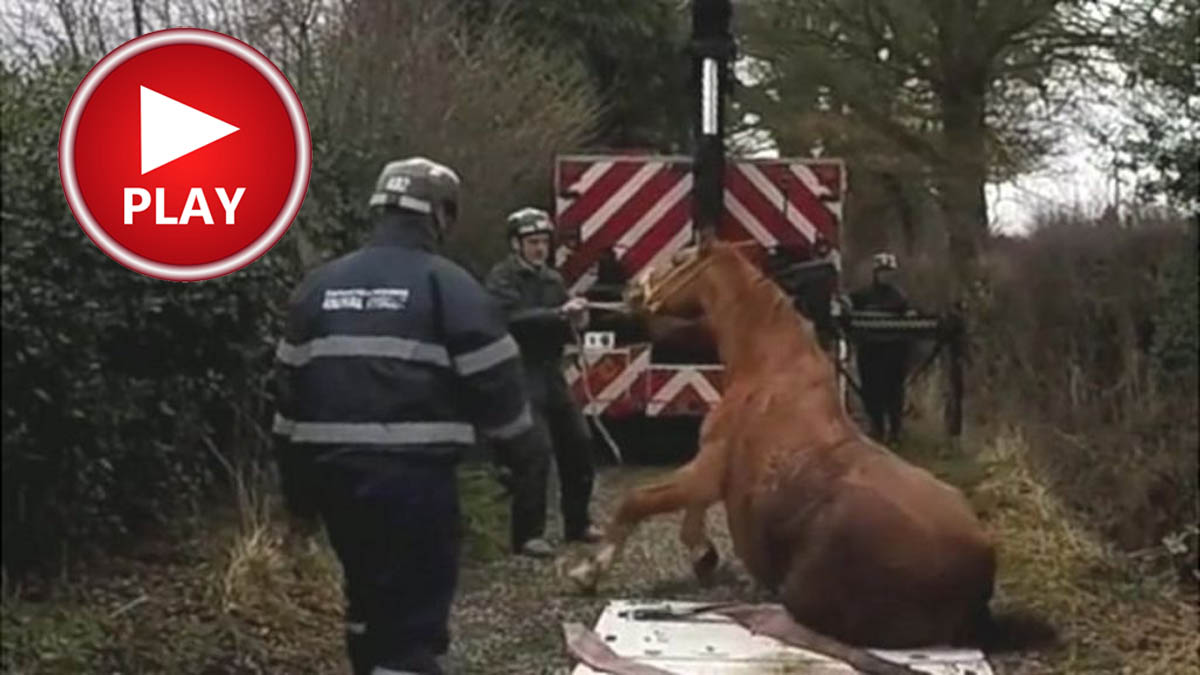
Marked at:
<point>781,202</point>
<point>614,376</point>
<point>687,390</point>
<point>639,207</point>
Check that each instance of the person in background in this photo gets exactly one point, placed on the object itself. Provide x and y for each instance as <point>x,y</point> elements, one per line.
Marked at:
<point>543,318</point>
<point>392,357</point>
<point>882,361</point>
<point>823,250</point>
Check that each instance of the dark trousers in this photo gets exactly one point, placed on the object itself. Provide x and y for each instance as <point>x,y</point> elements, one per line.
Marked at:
<point>394,523</point>
<point>882,367</point>
<point>559,429</point>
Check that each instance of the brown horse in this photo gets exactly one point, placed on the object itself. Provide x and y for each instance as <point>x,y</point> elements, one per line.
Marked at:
<point>858,544</point>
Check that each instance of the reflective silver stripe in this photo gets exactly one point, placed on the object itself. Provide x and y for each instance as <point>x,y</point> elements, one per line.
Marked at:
<point>521,423</point>
<point>362,345</point>
<point>485,357</point>
<point>403,201</point>
<point>356,627</point>
<point>399,433</point>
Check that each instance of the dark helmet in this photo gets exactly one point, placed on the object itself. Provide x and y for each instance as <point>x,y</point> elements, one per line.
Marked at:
<point>527,222</point>
<point>419,185</point>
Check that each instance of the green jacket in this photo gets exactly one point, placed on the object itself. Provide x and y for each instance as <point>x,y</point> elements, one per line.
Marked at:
<point>531,298</point>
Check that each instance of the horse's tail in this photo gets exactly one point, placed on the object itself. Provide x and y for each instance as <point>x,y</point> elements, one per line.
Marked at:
<point>1010,631</point>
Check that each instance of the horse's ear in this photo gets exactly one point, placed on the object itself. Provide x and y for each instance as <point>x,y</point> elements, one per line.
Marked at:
<point>707,239</point>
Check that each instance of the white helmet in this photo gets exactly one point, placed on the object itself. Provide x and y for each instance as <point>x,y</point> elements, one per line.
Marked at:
<point>420,185</point>
<point>884,261</point>
<point>528,222</point>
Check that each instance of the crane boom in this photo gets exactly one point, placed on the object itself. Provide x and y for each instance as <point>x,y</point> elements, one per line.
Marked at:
<point>712,51</point>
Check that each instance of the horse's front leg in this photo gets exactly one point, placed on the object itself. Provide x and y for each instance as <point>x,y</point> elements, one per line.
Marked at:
<point>699,547</point>
<point>693,486</point>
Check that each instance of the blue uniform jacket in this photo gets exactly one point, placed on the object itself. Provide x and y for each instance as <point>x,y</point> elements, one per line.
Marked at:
<point>392,350</point>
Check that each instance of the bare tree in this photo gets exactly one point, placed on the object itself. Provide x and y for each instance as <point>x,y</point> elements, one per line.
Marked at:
<point>941,89</point>
<point>414,79</point>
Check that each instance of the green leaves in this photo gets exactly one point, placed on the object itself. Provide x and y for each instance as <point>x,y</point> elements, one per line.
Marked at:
<point>1176,345</point>
<point>103,370</point>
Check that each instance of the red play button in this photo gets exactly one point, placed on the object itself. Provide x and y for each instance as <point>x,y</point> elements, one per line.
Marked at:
<point>185,154</point>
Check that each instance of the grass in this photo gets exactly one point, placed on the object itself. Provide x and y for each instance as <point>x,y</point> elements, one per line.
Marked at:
<point>222,600</point>
<point>485,513</point>
<point>1115,612</point>
<point>61,637</point>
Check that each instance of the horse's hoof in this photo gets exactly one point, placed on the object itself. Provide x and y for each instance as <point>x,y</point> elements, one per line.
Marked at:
<point>585,575</point>
<point>706,564</point>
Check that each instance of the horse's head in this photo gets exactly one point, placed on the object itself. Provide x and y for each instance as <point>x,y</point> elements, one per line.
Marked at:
<point>670,288</point>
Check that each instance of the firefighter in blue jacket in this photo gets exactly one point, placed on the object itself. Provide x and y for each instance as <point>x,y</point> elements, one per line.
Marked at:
<point>542,316</point>
<point>392,358</point>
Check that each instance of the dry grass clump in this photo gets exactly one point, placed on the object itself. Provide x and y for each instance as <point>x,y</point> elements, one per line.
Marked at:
<point>281,598</point>
<point>1113,614</point>
<point>219,599</point>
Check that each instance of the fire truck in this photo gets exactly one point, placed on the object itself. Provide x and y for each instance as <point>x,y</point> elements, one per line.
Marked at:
<point>619,214</point>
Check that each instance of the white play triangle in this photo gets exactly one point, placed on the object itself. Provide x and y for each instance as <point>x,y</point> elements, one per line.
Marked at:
<point>171,129</point>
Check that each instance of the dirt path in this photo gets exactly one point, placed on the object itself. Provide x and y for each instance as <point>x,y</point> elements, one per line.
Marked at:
<point>508,614</point>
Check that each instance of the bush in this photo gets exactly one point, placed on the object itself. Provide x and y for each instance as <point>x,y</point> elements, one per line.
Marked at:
<point>114,383</point>
<point>1086,334</point>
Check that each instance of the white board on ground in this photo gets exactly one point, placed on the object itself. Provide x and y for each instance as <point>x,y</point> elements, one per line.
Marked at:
<point>714,645</point>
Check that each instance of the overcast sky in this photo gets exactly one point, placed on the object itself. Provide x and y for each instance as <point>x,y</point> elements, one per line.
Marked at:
<point>1076,177</point>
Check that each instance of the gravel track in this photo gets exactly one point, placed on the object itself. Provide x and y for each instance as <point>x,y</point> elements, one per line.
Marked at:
<point>508,614</point>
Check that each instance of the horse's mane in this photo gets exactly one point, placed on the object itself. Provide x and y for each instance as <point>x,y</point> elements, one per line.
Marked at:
<point>780,305</point>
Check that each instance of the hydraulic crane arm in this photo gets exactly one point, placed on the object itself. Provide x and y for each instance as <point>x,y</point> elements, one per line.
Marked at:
<point>712,52</point>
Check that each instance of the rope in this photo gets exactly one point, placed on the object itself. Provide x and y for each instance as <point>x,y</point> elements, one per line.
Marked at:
<point>900,324</point>
<point>619,307</point>
<point>581,363</point>
<point>841,368</point>
<point>912,376</point>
